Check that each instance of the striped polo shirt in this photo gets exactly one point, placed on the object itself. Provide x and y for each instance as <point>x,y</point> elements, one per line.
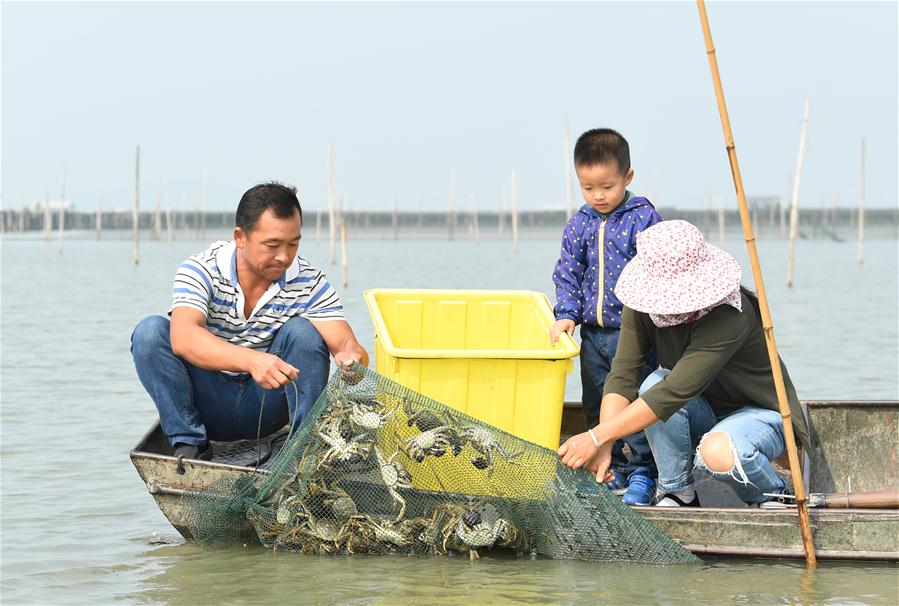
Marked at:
<point>208,283</point>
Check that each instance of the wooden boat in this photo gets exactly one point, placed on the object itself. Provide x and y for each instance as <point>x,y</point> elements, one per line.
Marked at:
<point>858,453</point>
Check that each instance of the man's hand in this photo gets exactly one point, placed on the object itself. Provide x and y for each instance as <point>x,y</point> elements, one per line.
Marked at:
<point>346,358</point>
<point>560,326</point>
<point>271,372</point>
<point>345,361</point>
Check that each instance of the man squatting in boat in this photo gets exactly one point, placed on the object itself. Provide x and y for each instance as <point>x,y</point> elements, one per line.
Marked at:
<point>714,392</point>
<point>250,319</point>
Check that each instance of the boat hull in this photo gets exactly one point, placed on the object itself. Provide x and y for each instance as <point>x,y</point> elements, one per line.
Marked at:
<point>727,528</point>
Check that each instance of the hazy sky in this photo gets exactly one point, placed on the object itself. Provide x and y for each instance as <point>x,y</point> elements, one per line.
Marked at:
<point>410,93</point>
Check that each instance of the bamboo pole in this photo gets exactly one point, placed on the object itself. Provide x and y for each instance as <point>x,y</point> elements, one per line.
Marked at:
<point>332,215</point>
<point>135,212</point>
<point>514,197</point>
<point>474,228</point>
<point>61,214</point>
<point>794,204</point>
<point>567,156</point>
<point>767,323</point>
<point>861,210</point>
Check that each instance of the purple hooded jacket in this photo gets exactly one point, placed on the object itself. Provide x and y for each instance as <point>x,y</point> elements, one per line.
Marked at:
<point>581,273</point>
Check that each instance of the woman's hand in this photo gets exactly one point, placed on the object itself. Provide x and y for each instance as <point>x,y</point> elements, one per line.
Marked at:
<point>578,451</point>
<point>600,464</point>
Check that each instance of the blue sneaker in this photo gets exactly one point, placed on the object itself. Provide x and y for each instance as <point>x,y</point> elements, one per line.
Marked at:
<point>640,491</point>
<point>618,484</point>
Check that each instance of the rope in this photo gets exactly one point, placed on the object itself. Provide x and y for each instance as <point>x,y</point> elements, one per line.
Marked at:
<point>296,401</point>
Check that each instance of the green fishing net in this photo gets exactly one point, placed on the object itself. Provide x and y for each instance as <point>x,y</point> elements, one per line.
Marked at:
<point>376,468</point>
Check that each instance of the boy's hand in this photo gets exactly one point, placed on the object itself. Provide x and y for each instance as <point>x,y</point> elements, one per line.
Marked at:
<point>560,326</point>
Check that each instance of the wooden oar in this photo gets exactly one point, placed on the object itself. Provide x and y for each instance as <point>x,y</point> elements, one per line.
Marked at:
<point>767,324</point>
<point>884,499</point>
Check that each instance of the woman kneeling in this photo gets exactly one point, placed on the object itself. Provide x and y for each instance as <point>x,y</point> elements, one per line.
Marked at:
<point>683,298</point>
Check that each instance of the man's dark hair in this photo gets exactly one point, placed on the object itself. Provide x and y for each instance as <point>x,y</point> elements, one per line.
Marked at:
<point>280,199</point>
<point>602,146</point>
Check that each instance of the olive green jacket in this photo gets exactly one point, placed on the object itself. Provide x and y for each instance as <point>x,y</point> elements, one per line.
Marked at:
<point>722,356</point>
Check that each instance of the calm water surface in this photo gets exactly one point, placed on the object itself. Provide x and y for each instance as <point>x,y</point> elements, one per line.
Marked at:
<point>78,526</point>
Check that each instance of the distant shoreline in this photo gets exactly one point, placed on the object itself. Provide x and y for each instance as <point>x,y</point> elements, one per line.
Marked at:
<point>836,223</point>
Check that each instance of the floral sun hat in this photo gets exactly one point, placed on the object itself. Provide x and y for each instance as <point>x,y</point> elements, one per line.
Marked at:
<point>676,271</point>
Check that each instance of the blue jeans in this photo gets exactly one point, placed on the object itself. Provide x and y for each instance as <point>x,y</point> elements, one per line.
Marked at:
<point>196,405</point>
<point>598,346</point>
<point>756,437</point>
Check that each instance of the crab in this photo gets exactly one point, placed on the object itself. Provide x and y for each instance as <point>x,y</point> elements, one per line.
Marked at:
<point>432,442</point>
<point>342,445</point>
<point>478,528</point>
<point>486,444</point>
<point>390,532</point>
<point>394,476</point>
<point>422,418</point>
<point>368,417</point>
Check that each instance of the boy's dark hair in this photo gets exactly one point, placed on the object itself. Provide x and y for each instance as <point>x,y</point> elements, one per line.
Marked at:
<point>602,146</point>
<point>280,199</point>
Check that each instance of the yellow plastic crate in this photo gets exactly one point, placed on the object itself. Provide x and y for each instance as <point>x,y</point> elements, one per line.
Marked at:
<point>483,352</point>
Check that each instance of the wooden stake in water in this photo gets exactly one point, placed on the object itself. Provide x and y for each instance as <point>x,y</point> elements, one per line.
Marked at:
<point>767,323</point>
<point>157,216</point>
<point>451,210</point>
<point>48,218</point>
<point>782,204</point>
<point>501,215</point>
<point>344,260</point>
<point>794,205</point>
<point>396,218</point>
<point>514,199</point>
<point>861,210</point>
<point>169,219</point>
<point>720,223</point>
<point>567,156</point>
<point>135,212</point>
<point>62,208</point>
<point>332,215</point>
<point>203,203</point>
<point>473,227</point>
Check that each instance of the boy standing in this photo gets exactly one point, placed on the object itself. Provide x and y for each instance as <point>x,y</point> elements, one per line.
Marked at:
<point>596,244</point>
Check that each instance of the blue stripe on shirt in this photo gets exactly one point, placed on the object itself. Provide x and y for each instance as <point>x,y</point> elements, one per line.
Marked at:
<point>199,273</point>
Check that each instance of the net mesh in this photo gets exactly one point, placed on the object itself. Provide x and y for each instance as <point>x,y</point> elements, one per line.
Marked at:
<point>376,468</point>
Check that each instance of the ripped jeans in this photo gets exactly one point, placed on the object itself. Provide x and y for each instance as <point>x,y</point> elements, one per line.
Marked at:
<point>756,437</point>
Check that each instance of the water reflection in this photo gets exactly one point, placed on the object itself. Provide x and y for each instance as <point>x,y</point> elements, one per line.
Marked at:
<point>189,576</point>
